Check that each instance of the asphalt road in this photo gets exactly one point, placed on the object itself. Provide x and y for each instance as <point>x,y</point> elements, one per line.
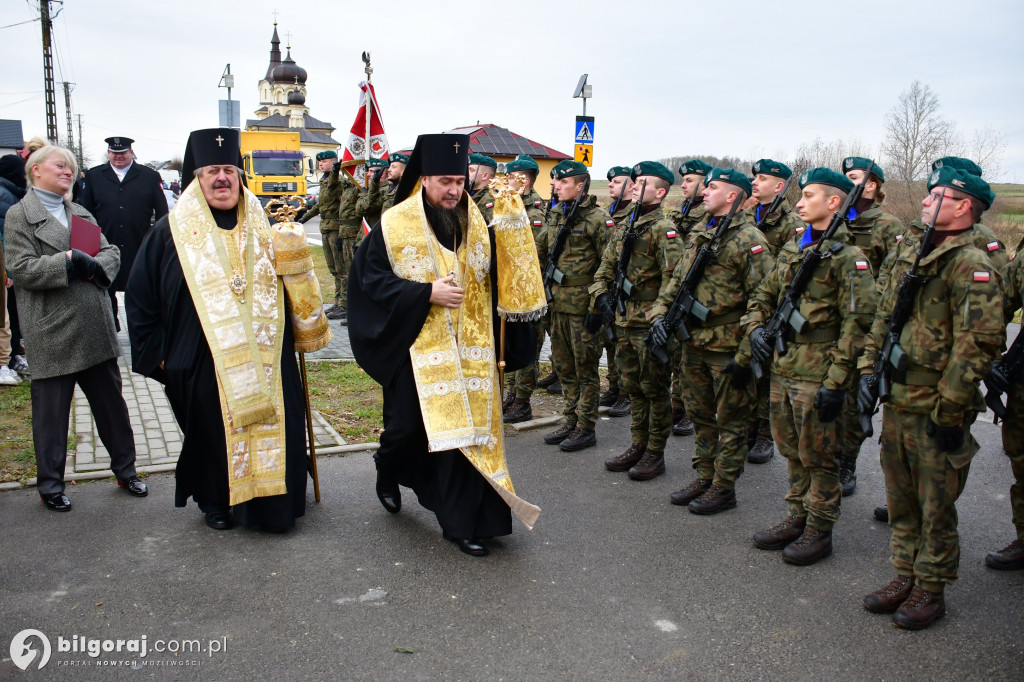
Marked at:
<point>613,583</point>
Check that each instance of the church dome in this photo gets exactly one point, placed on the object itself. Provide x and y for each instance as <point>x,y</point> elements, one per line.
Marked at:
<point>288,72</point>
<point>296,98</point>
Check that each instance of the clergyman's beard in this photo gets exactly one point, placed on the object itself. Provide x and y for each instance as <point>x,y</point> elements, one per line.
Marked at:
<point>446,221</point>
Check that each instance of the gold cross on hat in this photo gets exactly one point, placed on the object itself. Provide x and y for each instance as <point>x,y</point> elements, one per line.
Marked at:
<point>456,147</point>
<point>219,140</point>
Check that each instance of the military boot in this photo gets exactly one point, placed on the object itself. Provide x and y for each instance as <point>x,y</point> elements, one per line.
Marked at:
<point>336,312</point>
<point>609,397</point>
<point>548,380</point>
<point>882,514</point>
<point>697,487</point>
<point>848,475</point>
<point>621,408</point>
<point>889,598</point>
<point>506,402</point>
<point>651,465</point>
<point>561,433</point>
<point>627,459</point>
<point>518,411</point>
<point>778,536</point>
<point>764,448</point>
<point>555,388</point>
<point>681,424</point>
<point>921,609</point>
<point>716,499</point>
<point>580,438</point>
<point>813,545</point>
<point>1009,558</point>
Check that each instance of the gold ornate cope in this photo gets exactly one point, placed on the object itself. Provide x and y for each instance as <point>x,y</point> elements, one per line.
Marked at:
<point>453,357</point>
<point>244,338</point>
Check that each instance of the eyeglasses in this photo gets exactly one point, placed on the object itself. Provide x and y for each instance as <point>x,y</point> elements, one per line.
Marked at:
<point>935,196</point>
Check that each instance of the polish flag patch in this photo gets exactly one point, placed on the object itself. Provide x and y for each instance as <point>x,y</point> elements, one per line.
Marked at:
<point>609,223</point>
<point>993,246</point>
<point>800,230</point>
<point>981,276</point>
<point>862,265</point>
<point>899,238</point>
<point>538,203</point>
<point>756,249</point>
<point>489,205</point>
<point>671,234</point>
<point>537,223</point>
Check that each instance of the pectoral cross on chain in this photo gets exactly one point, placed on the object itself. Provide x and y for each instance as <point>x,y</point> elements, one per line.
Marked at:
<point>219,140</point>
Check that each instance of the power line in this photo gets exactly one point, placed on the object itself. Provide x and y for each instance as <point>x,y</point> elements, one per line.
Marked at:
<point>27,21</point>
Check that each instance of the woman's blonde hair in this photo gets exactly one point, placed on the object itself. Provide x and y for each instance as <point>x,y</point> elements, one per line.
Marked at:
<point>40,150</point>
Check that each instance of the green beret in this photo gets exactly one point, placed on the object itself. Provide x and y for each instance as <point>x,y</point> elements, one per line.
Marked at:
<point>377,163</point>
<point>730,175</point>
<point>326,155</point>
<point>773,168</point>
<point>860,163</point>
<point>947,176</point>
<point>481,160</point>
<point>398,157</point>
<point>959,163</point>
<point>558,166</point>
<point>658,170</point>
<point>522,163</point>
<point>570,169</point>
<point>695,167</point>
<point>618,171</point>
<point>827,176</point>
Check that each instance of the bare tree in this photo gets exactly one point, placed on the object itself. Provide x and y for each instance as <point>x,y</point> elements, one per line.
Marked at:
<point>915,134</point>
<point>985,146</point>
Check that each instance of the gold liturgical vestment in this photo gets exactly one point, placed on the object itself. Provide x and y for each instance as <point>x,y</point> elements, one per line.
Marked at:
<point>454,360</point>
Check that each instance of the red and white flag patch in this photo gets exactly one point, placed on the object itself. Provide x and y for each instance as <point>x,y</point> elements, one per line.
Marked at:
<point>862,265</point>
<point>899,237</point>
<point>489,205</point>
<point>981,276</point>
<point>756,249</point>
<point>800,230</point>
<point>993,246</point>
<point>609,223</point>
<point>537,223</point>
<point>671,234</point>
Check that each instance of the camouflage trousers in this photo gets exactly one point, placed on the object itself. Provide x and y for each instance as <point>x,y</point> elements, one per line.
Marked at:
<point>647,382</point>
<point>809,447</point>
<point>921,489</point>
<point>613,370</point>
<point>676,358</point>
<point>719,414</point>
<point>851,435</point>
<point>1013,446</point>
<point>346,254</point>
<point>524,381</point>
<point>574,355</point>
<point>333,258</point>
<point>762,403</point>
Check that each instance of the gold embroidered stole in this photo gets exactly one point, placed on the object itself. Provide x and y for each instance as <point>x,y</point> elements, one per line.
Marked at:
<point>453,357</point>
<point>520,284</point>
<point>295,268</point>
<point>244,338</point>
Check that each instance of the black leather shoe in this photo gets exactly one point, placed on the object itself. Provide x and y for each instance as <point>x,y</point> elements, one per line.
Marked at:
<point>577,440</point>
<point>56,502</point>
<point>336,312</point>
<point>882,514</point>
<point>134,486</point>
<point>561,433</point>
<point>622,406</point>
<point>555,388</point>
<point>389,494</point>
<point>547,381</point>
<point>219,520</point>
<point>608,398</point>
<point>470,547</point>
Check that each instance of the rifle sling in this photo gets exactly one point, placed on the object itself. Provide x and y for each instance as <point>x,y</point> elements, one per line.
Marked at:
<point>826,335</point>
<point>570,281</point>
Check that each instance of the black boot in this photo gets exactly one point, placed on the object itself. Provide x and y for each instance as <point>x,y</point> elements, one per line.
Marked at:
<point>518,411</point>
<point>764,448</point>
<point>848,475</point>
<point>609,397</point>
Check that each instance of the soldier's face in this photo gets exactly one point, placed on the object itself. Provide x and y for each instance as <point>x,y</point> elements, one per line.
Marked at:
<point>120,160</point>
<point>856,175</point>
<point>220,186</point>
<point>618,185</point>
<point>325,164</point>
<point>814,206</point>
<point>444,191</point>
<point>395,171</point>
<point>693,185</point>
<point>717,197</point>
<point>950,208</point>
<point>567,188</point>
<point>647,193</point>
<point>766,187</point>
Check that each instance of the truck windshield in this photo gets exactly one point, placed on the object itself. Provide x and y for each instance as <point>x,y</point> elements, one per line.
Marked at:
<point>277,166</point>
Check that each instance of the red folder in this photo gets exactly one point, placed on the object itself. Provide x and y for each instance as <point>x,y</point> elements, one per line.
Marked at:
<point>85,236</point>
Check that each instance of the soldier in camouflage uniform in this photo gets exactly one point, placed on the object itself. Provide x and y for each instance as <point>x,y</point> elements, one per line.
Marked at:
<point>521,176</point>
<point>810,382</point>
<point>574,350</point>
<point>694,173</point>
<point>482,170</point>
<point>371,200</point>
<point>719,391</point>
<point>620,190</point>
<point>327,207</point>
<point>1011,557</point>
<point>655,251</point>
<point>349,235</point>
<point>778,227</point>
<point>954,335</point>
<point>550,382</point>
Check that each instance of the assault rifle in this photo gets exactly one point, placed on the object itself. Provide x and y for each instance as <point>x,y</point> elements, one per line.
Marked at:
<point>787,313</point>
<point>891,354</point>
<point>1009,370</point>
<point>775,203</point>
<point>685,305</point>
<point>622,287</point>
<point>552,275</point>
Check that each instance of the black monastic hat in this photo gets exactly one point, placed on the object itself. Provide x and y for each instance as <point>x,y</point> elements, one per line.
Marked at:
<point>210,147</point>
<point>434,154</point>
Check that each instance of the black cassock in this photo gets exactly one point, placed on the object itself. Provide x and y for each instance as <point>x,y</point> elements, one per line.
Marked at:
<point>385,315</point>
<point>164,327</point>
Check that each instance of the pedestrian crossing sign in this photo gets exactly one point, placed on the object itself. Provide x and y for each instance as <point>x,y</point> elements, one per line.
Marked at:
<point>584,130</point>
<point>585,154</point>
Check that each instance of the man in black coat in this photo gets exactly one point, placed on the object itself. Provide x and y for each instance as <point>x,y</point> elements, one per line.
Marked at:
<point>125,198</point>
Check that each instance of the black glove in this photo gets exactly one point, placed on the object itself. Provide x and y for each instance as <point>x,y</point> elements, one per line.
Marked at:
<point>593,322</point>
<point>867,394</point>
<point>377,174</point>
<point>760,347</point>
<point>336,167</point>
<point>338,244</point>
<point>998,380</point>
<point>947,438</point>
<point>829,403</point>
<point>81,265</point>
<point>658,336</point>
<point>741,376</point>
<point>607,307</point>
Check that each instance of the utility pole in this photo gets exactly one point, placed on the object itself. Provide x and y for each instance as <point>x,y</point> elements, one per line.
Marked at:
<point>81,154</point>
<point>51,97</point>
<point>67,108</point>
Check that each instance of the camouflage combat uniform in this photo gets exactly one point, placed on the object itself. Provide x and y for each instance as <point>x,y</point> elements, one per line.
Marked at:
<point>574,350</point>
<point>619,219</point>
<point>1013,425</point>
<point>684,226</point>
<point>382,196</point>
<point>485,202</point>
<point>953,337</point>
<point>349,233</point>
<point>718,410</point>
<point>656,252</point>
<point>327,207</point>
<point>370,204</point>
<point>876,233</point>
<point>839,304</point>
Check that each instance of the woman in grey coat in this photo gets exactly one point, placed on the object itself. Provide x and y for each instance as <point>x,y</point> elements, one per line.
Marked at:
<point>67,324</point>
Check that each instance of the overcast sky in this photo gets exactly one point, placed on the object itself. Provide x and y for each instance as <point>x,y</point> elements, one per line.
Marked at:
<point>740,78</point>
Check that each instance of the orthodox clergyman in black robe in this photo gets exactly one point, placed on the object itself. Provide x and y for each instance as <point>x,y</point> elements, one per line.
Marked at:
<point>208,319</point>
<point>425,289</point>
